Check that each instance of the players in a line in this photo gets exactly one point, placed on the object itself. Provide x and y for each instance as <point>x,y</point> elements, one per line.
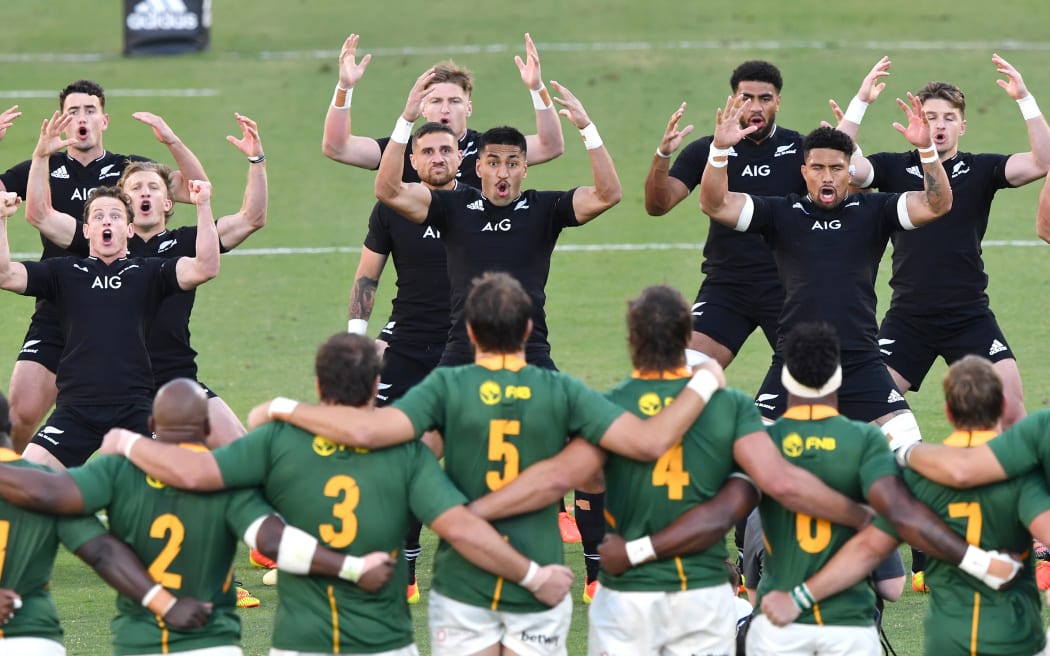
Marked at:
<point>105,301</point>
<point>741,290</point>
<point>84,165</point>
<point>939,305</point>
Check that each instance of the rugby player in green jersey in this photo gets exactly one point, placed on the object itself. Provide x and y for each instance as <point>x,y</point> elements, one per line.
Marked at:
<point>355,501</point>
<point>963,617</point>
<point>28,618</point>
<point>188,539</point>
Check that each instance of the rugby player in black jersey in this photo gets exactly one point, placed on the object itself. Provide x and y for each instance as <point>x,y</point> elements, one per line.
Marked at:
<point>84,165</point>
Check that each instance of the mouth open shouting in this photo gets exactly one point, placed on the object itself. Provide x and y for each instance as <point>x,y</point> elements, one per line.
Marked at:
<point>107,237</point>
<point>827,194</point>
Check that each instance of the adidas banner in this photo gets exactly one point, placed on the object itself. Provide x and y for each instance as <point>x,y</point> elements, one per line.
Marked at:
<point>166,27</point>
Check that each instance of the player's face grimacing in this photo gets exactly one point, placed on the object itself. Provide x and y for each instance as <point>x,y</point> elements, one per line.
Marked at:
<point>946,125</point>
<point>765,101</point>
<point>826,172</point>
<point>448,103</point>
<point>149,197</point>
<point>436,157</point>
<point>89,122</point>
<point>107,229</point>
<point>502,170</point>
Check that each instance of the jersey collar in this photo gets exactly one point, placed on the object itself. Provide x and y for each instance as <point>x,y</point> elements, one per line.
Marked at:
<point>666,374</point>
<point>497,362</point>
<point>810,412</point>
<point>965,438</point>
<point>7,455</point>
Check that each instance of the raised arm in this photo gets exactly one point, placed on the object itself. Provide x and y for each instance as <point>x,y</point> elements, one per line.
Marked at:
<point>409,199</point>
<point>235,228</point>
<point>338,143</point>
<point>189,167</point>
<point>170,464</point>
<point>13,276</point>
<point>1023,168</point>
<point>935,199</point>
<point>543,483</point>
<point>589,202</point>
<point>870,88</point>
<point>367,429</point>
<point>43,491</point>
<point>202,267</point>
<point>959,468</point>
<point>55,226</point>
<point>716,200</point>
<point>548,142</point>
<point>662,192</point>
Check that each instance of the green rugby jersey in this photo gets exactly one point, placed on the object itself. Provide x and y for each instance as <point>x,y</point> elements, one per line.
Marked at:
<point>498,417</point>
<point>1024,446</point>
<point>353,501</point>
<point>643,497</point>
<point>848,456</point>
<point>28,544</point>
<point>187,542</point>
<point>964,616</point>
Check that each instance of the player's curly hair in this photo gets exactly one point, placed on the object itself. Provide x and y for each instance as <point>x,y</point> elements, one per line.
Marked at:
<point>950,93</point>
<point>163,170</point>
<point>498,312</point>
<point>502,136</point>
<point>811,353</point>
<point>347,366</point>
<point>109,192</point>
<point>756,70</point>
<point>973,393</point>
<point>90,87</point>
<point>449,71</point>
<point>830,138</point>
<point>659,325</point>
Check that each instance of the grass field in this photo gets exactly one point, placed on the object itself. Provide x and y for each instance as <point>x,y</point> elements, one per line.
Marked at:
<point>631,63</point>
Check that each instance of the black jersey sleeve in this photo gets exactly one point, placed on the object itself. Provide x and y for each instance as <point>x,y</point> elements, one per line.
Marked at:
<point>689,165</point>
<point>378,237</point>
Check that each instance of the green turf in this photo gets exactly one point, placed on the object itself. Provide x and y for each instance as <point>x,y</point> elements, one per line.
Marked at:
<point>256,326</point>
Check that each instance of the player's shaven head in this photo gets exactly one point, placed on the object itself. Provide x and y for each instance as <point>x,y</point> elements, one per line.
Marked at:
<point>449,71</point>
<point>432,127</point>
<point>756,70</point>
<point>811,353</point>
<point>109,192</point>
<point>89,87</point>
<point>659,325</point>
<point>163,170</point>
<point>950,93</point>
<point>830,138</point>
<point>973,393</point>
<point>180,411</point>
<point>498,312</point>
<point>347,367</point>
<point>502,136</point>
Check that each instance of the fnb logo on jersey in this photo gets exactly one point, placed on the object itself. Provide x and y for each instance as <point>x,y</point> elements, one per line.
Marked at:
<point>650,404</point>
<point>794,446</point>
<point>163,15</point>
<point>491,393</point>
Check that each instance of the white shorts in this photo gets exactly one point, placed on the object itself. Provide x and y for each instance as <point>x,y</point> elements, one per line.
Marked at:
<point>701,621</point>
<point>227,650</point>
<point>409,650</point>
<point>808,639</point>
<point>31,647</point>
<point>457,628</point>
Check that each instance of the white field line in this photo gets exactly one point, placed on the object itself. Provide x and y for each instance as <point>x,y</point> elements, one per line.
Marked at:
<point>114,93</point>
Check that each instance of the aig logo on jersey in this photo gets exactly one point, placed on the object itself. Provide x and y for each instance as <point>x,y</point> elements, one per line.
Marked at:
<point>756,170</point>
<point>106,282</point>
<point>503,225</point>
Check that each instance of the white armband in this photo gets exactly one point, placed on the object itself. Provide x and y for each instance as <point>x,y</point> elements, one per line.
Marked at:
<point>1029,108</point>
<point>357,326</point>
<point>251,534</point>
<point>281,407</point>
<point>527,581</point>
<point>130,443</point>
<point>352,569</point>
<point>855,111</point>
<point>715,155</point>
<point>341,97</point>
<point>591,138</point>
<point>640,551</point>
<point>296,551</point>
<point>903,217</point>
<point>541,98</point>
<point>402,131</point>
<point>743,222</point>
<point>704,384</point>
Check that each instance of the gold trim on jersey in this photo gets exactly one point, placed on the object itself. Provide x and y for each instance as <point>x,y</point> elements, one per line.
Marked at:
<point>497,362</point>
<point>335,619</point>
<point>194,446</point>
<point>965,438</point>
<point>666,374</point>
<point>681,573</point>
<point>7,455</point>
<point>164,634</point>
<point>807,412</point>
<point>816,614</point>
<point>976,623</point>
<point>609,517</point>
<point>496,593</point>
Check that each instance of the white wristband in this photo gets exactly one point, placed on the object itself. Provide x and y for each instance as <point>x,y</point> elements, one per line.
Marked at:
<point>855,111</point>
<point>1029,108</point>
<point>127,449</point>
<point>529,576</point>
<point>975,562</point>
<point>150,594</point>
<point>357,326</point>
<point>720,153</point>
<point>928,155</point>
<point>402,131</point>
<point>353,568</point>
<point>704,383</point>
<point>281,407</point>
<point>640,551</point>
<point>347,95</point>
<point>661,154</point>
<point>541,99</point>
<point>591,138</point>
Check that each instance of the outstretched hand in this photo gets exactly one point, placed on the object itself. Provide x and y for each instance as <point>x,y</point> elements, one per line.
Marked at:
<point>917,132</point>
<point>572,108</point>
<point>7,119</point>
<point>249,143</point>
<point>51,141</point>
<point>673,137</point>
<point>872,85</point>
<point>728,132</point>
<point>350,71</point>
<point>161,131</point>
<point>416,95</point>
<point>1014,83</point>
<point>530,66</point>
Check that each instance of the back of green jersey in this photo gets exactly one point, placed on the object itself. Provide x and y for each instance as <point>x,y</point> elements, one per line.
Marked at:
<point>848,456</point>
<point>496,421</point>
<point>643,497</point>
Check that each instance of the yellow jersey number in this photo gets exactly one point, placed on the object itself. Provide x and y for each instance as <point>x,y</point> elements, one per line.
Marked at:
<point>813,534</point>
<point>346,488</point>
<point>167,527</point>
<point>668,471</point>
<point>503,451</point>
<point>971,510</point>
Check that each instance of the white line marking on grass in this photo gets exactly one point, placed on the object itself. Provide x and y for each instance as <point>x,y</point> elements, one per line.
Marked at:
<point>115,93</point>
